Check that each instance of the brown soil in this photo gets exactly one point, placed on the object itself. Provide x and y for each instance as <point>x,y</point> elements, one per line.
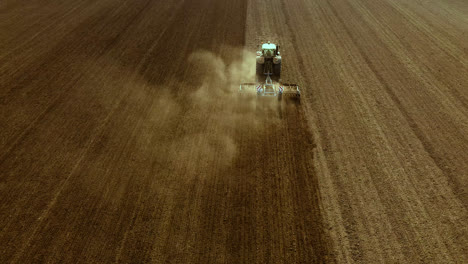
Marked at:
<point>122,138</point>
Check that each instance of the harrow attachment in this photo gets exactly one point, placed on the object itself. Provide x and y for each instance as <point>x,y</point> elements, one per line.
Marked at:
<point>271,89</point>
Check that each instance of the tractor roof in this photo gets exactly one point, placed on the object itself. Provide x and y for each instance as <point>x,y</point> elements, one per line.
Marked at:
<point>268,46</point>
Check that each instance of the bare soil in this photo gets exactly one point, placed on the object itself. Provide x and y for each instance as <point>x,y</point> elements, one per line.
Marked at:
<point>122,138</point>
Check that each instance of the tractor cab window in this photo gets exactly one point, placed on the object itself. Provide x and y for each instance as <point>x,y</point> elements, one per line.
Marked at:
<point>269,53</point>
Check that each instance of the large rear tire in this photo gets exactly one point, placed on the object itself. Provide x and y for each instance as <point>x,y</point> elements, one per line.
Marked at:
<point>259,70</point>
<point>277,70</point>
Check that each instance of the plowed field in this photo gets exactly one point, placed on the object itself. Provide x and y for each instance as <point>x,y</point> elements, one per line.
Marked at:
<point>122,138</point>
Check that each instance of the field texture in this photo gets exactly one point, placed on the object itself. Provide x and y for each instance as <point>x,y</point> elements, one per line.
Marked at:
<point>122,138</point>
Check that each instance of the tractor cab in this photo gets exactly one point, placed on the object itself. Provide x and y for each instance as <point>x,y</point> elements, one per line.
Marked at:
<point>269,50</point>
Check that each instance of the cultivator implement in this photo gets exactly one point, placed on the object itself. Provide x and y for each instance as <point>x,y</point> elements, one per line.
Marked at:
<point>271,89</point>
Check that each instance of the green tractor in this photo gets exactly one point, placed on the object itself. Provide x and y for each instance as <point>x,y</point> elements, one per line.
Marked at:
<point>269,65</point>
<point>269,61</point>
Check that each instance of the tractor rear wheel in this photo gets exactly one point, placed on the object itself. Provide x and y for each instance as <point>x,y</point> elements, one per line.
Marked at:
<point>277,70</point>
<point>259,69</point>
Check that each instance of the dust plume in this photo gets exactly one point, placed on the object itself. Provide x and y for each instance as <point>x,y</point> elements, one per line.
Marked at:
<point>189,128</point>
<point>216,112</point>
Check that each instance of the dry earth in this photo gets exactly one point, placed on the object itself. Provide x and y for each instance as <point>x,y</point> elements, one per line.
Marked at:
<point>122,138</point>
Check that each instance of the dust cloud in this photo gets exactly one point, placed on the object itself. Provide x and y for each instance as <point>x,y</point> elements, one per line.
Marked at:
<point>196,121</point>
<point>198,125</point>
<point>213,111</point>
